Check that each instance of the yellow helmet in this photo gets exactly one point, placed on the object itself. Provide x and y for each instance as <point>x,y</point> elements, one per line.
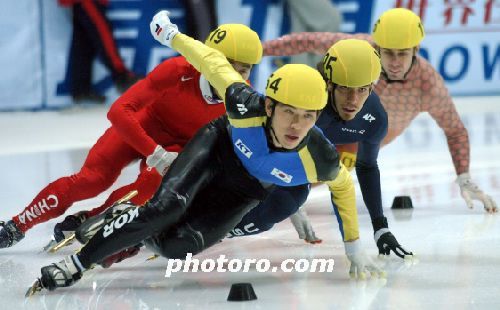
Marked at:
<point>352,63</point>
<point>399,29</point>
<point>237,42</point>
<point>299,86</point>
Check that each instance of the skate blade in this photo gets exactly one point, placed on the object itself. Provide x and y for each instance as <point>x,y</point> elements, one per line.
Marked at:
<point>127,197</point>
<point>69,240</point>
<point>35,288</point>
<point>49,246</point>
<point>152,257</point>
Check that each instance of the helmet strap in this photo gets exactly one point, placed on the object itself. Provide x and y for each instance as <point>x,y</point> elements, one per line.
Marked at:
<point>413,61</point>
<point>269,126</point>
<point>331,100</point>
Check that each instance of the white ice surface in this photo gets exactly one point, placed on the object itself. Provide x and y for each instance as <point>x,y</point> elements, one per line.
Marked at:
<point>458,250</point>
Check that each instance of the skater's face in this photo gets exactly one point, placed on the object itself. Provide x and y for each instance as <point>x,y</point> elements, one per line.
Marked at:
<point>397,62</point>
<point>349,100</point>
<point>242,68</point>
<point>289,124</point>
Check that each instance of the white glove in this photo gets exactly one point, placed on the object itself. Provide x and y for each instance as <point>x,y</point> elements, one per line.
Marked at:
<point>303,226</point>
<point>360,262</point>
<point>162,29</point>
<point>470,191</point>
<point>160,159</point>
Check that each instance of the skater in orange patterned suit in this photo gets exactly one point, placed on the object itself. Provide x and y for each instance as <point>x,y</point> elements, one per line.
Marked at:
<point>408,86</point>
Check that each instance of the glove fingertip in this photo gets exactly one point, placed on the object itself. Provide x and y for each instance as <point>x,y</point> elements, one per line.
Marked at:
<point>409,256</point>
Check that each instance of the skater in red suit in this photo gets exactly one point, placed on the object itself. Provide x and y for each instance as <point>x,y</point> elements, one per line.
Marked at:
<point>151,121</point>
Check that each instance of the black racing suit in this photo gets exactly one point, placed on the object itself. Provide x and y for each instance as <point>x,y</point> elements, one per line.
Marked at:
<point>204,194</point>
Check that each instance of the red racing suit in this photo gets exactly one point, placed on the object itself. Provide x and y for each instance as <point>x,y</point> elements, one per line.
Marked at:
<point>166,108</point>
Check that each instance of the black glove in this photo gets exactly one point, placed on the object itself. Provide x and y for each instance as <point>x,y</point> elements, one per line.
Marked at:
<point>386,243</point>
<point>385,240</point>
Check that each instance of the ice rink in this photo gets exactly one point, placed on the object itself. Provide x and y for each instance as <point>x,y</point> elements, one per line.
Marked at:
<point>458,250</point>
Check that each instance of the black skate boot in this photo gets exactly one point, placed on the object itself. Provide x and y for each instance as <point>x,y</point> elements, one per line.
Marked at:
<point>62,274</point>
<point>87,227</point>
<point>69,225</point>
<point>10,234</point>
<point>64,229</point>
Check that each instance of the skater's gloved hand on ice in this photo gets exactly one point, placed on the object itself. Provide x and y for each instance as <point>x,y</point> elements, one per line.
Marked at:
<point>385,240</point>
<point>470,191</point>
<point>303,226</point>
<point>161,159</point>
<point>361,264</point>
<point>162,29</point>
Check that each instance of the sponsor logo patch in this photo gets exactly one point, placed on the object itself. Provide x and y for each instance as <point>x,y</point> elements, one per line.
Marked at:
<point>241,108</point>
<point>368,117</point>
<point>245,150</point>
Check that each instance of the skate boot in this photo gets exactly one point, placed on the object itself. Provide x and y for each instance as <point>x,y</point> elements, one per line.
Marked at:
<point>89,227</point>
<point>10,234</point>
<point>64,229</point>
<point>62,274</point>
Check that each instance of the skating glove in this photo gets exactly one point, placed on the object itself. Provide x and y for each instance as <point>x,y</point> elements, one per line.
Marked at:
<point>385,240</point>
<point>470,191</point>
<point>361,264</point>
<point>303,226</point>
<point>162,29</point>
<point>161,159</point>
